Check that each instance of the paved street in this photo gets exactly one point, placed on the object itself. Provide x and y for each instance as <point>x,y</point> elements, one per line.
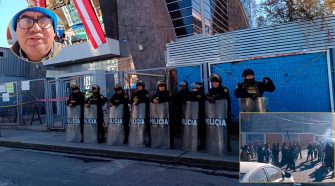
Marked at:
<point>311,171</point>
<point>22,167</point>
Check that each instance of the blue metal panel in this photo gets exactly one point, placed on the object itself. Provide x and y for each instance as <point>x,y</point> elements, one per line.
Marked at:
<point>301,81</point>
<point>190,74</point>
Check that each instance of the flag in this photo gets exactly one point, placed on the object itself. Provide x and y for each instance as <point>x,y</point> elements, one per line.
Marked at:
<point>11,34</point>
<point>91,22</point>
<point>40,3</point>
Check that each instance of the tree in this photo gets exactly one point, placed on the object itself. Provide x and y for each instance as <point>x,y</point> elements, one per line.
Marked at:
<point>281,11</point>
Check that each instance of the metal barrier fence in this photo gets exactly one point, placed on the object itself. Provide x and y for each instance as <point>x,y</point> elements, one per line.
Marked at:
<point>43,101</point>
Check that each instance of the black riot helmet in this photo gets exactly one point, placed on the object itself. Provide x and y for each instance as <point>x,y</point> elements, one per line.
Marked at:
<point>197,85</point>
<point>161,83</point>
<point>74,87</point>
<point>117,87</point>
<point>96,87</point>
<point>215,77</point>
<point>183,83</point>
<point>140,83</point>
<point>248,71</point>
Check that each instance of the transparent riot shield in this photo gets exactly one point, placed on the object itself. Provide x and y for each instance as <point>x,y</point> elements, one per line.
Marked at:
<point>159,121</point>
<point>90,124</point>
<point>259,104</point>
<point>115,134</point>
<point>216,127</point>
<point>190,125</point>
<point>73,132</point>
<point>137,126</point>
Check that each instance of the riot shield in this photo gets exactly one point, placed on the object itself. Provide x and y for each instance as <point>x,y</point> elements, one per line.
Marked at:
<point>190,125</point>
<point>253,105</point>
<point>73,132</point>
<point>137,126</point>
<point>90,124</point>
<point>115,134</point>
<point>159,121</point>
<point>216,127</point>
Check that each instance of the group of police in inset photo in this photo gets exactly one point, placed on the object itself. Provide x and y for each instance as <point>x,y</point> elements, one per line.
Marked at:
<point>144,120</point>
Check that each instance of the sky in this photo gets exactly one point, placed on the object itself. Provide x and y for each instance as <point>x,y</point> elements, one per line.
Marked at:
<point>8,8</point>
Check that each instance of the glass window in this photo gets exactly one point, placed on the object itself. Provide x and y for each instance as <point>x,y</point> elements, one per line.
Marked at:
<point>182,21</point>
<point>181,13</point>
<point>184,30</point>
<point>179,5</point>
<point>258,176</point>
<point>273,174</point>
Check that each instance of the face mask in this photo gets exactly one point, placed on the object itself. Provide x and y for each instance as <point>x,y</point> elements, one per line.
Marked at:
<point>249,81</point>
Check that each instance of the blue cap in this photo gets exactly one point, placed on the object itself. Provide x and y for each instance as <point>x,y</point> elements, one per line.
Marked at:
<point>44,11</point>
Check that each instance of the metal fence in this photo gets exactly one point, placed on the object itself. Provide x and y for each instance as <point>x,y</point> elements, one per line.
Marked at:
<point>43,101</point>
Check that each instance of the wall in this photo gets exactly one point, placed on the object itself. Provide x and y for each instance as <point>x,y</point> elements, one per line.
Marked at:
<point>301,81</point>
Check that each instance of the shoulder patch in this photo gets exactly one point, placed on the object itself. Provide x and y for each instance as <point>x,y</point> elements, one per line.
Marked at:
<point>125,96</point>
<point>199,96</point>
<point>225,90</point>
<point>147,95</point>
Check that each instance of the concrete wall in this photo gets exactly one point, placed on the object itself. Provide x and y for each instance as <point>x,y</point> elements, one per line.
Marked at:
<point>145,24</point>
<point>236,17</point>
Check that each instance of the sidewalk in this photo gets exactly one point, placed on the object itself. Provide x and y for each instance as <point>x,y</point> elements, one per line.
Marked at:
<point>55,142</point>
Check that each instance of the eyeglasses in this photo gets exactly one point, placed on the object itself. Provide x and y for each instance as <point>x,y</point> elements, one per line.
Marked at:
<point>27,23</point>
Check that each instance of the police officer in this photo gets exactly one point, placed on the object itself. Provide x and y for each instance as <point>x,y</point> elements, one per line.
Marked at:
<point>121,98</point>
<point>184,92</point>
<point>218,92</point>
<point>162,95</point>
<point>99,100</point>
<point>250,88</point>
<point>77,98</point>
<point>176,117</point>
<point>197,95</point>
<point>142,96</point>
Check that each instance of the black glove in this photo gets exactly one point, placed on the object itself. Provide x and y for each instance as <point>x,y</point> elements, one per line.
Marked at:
<point>266,80</point>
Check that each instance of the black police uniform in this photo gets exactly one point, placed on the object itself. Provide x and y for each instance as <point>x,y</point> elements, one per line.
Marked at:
<point>116,100</point>
<point>142,96</point>
<point>253,89</point>
<point>78,99</point>
<point>100,101</point>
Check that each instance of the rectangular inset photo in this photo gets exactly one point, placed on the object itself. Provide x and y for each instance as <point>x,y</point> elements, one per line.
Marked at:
<point>286,147</point>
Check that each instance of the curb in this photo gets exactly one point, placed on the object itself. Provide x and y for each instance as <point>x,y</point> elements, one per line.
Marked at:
<point>225,168</point>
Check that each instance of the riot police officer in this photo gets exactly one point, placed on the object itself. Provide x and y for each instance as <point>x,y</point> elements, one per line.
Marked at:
<point>184,92</point>
<point>218,92</point>
<point>250,88</point>
<point>77,98</point>
<point>142,96</point>
<point>197,95</point>
<point>99,100</point>
<point>162,94</point>
<point>178,100</point>
<point>120,97</point>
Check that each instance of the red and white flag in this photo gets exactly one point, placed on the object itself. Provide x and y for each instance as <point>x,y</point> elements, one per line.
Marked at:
<point>11,34</point>
<point>40,3</point>
<point>91,22</point>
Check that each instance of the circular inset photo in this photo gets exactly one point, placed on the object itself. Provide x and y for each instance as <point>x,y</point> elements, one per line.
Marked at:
<point>31,34</point>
